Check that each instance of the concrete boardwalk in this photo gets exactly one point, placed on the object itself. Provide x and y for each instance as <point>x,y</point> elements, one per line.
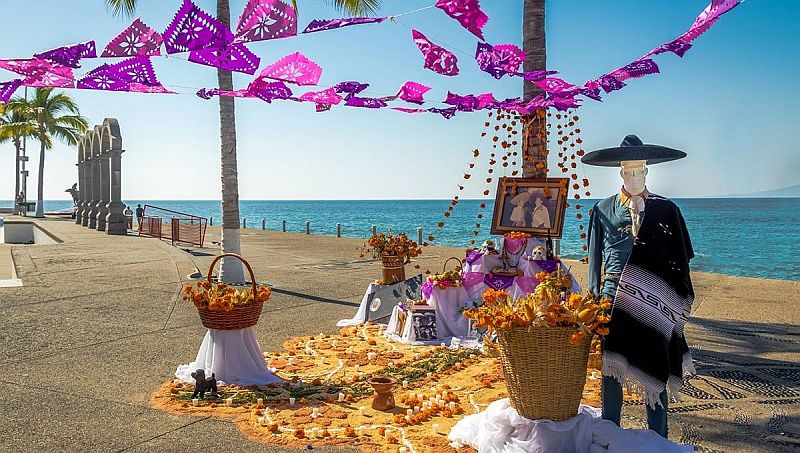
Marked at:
<point>99,325</point>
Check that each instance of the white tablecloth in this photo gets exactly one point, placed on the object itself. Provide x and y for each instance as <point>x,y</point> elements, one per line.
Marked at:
<point>448,303</point>
<point>361,314</point>
<point>233,356</point>
<point>500,429</point>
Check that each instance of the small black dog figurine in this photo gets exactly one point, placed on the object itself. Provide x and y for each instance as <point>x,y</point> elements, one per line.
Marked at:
<point>203,384</point>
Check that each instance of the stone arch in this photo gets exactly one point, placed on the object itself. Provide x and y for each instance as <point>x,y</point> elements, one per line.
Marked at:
<point>111,138</point>
<point>97,141</point>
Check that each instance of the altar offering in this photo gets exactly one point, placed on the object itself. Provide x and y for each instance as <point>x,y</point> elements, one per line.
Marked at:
<point>221,306</point>
<point>395,252</point>
<point>544,339</point>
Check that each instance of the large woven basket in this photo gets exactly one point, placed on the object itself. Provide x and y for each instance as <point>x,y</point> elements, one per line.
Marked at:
<point>242,316</point>
<point>544,373</point>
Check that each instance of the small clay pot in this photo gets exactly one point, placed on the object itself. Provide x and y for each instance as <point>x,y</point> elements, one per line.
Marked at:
<point>384,398</point>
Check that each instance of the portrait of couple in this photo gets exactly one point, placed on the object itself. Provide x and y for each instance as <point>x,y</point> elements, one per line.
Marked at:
<point>529,205</point>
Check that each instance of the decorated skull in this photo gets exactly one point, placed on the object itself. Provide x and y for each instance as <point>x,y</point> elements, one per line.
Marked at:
<point>537,254</point>
<point>488,248</point>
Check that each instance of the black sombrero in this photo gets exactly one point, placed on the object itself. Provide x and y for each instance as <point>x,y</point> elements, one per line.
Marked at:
<point>632,148</point>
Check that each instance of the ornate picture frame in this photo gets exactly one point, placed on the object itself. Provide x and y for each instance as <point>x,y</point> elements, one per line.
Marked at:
<point>530,205</point>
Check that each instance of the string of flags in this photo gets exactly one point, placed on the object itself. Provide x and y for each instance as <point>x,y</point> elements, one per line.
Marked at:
<point>210,42</point>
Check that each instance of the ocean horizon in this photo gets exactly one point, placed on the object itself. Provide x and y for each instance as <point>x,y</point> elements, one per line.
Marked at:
<point>751,237</point>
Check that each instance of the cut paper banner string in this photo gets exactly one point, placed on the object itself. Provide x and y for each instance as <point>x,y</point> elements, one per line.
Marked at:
<point>638,68</point>
<point>350,87</point>
<point>234,57</point>
<point>437,59</point>
<point>270,91</point>
<point>266,19</point>
<point>7,89</point>
<point>413,92</point>
<point>136,40</point>
<point>40,73</point>
<point>332,24</point>
<point>194,29</point>
<point>294,68</point>
<point>70,56</point>
<point>369,103</point>
<point>327,96</point>
<point>468,13</point>
<point>121,76</point>
<point>466,103</point>
<point>60,79</point>
<point>499,60</point>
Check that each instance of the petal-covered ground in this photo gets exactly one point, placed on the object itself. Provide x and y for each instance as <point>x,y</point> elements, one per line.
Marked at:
<point>326,399</point>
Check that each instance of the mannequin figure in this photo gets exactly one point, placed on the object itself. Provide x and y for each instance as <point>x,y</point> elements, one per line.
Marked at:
<point>639,252</point>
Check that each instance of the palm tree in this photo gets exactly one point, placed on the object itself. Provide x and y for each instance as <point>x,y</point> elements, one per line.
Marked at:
<point>534,44</point>
<point>231,270</point>
<point>53,116</point>
<point>13,128</point>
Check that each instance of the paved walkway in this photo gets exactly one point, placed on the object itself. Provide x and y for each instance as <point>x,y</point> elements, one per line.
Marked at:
<point>99,325</point>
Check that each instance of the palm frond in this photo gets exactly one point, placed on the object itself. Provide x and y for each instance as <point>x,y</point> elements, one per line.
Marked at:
<point>356,7</point>
<point>122,7</point>
<point>65,134</point>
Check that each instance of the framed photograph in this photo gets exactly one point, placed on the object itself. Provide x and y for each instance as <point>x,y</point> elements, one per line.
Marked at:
<point>401,322</point>
<point>424,323</point>
<point>528,205</point>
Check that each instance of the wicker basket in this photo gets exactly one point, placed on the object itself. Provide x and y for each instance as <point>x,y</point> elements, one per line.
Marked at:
<point>242,316</point>
<point>544,373</point>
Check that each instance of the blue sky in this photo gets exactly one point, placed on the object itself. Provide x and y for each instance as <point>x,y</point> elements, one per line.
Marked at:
<point>730,103</point>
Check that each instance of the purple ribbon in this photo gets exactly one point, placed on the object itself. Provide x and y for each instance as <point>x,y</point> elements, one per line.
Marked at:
<point>548,266</point>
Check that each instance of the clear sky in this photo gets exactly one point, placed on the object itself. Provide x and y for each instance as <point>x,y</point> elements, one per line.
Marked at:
<point>730,103</point>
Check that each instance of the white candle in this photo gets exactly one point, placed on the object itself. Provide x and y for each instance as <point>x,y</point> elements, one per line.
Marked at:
<point>315,412</point>
<point>261,421</point>
<point>291,360</point>
<point>416,355</point>
<point>435,428</point>
<point>390,364</point>
<point>408,418</point>
<point>314,431</point>
<point>403,450</point>
<point>273,370</point>
<point>291,401</point>
<point>452,405</point>
<point>472,356</point>
<point>420,396</point>
<point>260,401</point>
<point>410,412</point>
<point>341,397</point>
<point>356,367</point>
<point>371,356</point>
<point>195,402</point>
<point>444,345</point>
<point>362,410</point>
<point>416,410</point>
<point>176,381</point>
<point>405,384</point>
<point>430,374</point>
<point>229,402</point>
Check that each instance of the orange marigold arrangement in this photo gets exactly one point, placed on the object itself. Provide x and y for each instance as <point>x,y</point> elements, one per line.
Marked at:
<point>548,306</point>
<point>517,235</point>
<point>383,244</point>
<point>221,296</point>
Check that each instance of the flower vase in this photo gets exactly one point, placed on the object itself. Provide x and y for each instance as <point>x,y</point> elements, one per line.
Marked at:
<point>384,398</point>
<point>394,269</point>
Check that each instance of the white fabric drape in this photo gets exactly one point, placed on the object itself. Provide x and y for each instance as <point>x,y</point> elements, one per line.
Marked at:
<point>233,356</point>
<point>361,314</point>
<point>500,429</point>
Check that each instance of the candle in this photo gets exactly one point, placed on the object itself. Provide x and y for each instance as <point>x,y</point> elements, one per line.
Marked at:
<point>452,405</point>
<point>291,401</point>
<point>403,450</point>
<point>261,421</point>
<point>408,418</point>
<point>314,431</point>
<point>362,411</point>
<point>315,412</point>
<point>390,364</point>
<point>420,396</point>
<point>472,356</point>
<point>195,402</point>
<point>371,356</point>
<point>356,367</point>
<point>430,374</point>
<point>435,428</point>
<point>410,412</point>
<point>416,410</point>
<point>176,381</point>
<point>273,370</point>
<point>444,345</point>
<point>260,401</point>
<point>341,397</point>
<point>405,384</point>
<point>229,402</point>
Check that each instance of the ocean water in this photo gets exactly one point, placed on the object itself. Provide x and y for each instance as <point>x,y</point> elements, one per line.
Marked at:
<point>754,237</point>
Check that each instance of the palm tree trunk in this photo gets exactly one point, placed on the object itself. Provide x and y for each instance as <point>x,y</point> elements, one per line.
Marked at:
<point>40,193</point>
<point>17,146</point>
<point>534,131</point>
<point>230,270</point>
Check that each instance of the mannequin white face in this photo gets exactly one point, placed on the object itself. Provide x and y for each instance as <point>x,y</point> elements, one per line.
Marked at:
<point>634,174</point>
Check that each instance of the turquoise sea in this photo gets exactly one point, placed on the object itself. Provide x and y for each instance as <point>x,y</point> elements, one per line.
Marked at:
<point>754,237</point>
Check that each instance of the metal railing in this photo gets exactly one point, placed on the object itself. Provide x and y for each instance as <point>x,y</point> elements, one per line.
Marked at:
<point>177,227</point>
